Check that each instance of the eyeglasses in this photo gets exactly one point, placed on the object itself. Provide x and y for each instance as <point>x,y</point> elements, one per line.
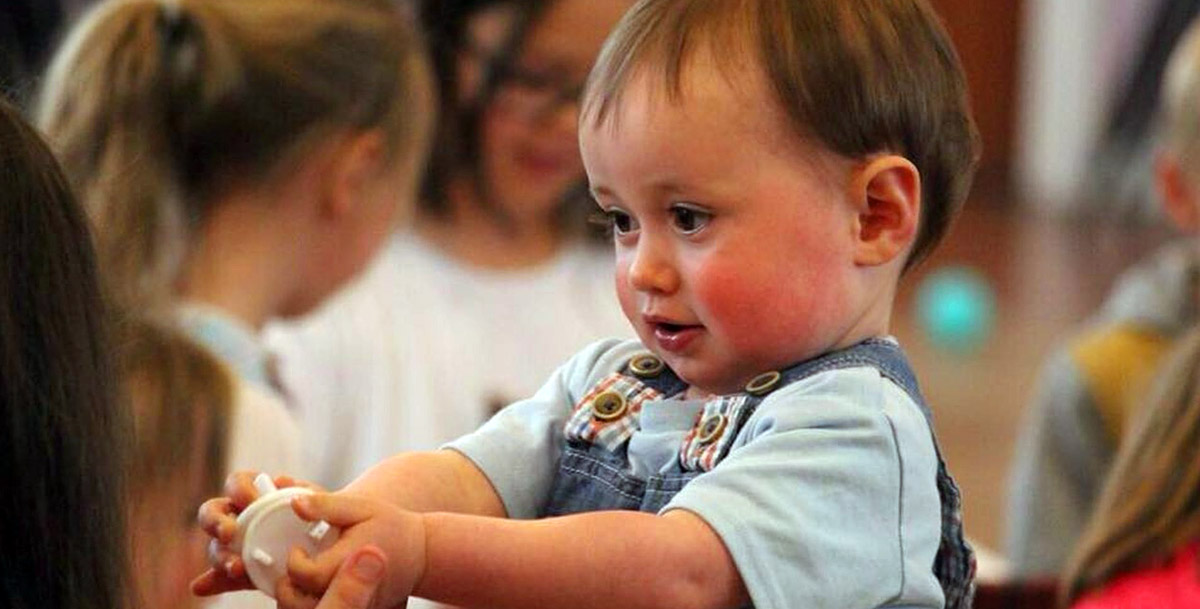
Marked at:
<point>534,94</point>
<point>530,93</point>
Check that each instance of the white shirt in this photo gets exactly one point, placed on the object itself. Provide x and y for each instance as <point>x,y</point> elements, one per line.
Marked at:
<point>423,349</point>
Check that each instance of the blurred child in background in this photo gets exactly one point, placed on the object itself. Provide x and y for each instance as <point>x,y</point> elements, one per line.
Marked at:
<point>1141,547</point>
<point>240,161</point>
<point>181,397</point>
<point>1100,378</point>
<point>63,436</point>
<point>497,282</point>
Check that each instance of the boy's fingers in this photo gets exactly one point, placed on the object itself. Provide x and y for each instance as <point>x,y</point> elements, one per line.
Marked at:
<point>212,582</point>
<point>356,581</point>
<point>288,596</point>
<point>215,517</point>
<point>286,481</point>
<point>313,575</point>
<point>338,510</point>
<point>226,562</point>
<point>239,488</point>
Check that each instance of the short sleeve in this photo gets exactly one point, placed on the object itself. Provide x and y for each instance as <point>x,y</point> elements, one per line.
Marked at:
<point>518,448</point>
<point>829,498</point>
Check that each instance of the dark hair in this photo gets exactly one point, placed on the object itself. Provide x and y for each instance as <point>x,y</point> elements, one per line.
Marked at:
<point>457,136</point>
<point>858,76</point>
<point>61,516</point>
<point>155,107</point>
<point>456,148</point>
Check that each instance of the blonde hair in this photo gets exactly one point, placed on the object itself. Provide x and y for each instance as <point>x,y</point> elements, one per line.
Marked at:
<point>174,387</point>
<point>181,398</point>
<point>858,77</point>
<point>1180,118</point>
<point>1150,504</point>
<point>155,107</point>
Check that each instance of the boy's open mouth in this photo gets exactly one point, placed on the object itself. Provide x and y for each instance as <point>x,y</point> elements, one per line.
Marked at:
<point>674,336</point>
<point>669,328</point>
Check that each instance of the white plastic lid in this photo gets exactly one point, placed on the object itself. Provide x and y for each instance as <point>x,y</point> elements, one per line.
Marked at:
<point>268,529</point>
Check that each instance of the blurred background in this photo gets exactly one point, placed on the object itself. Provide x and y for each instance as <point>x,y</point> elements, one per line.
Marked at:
<point>1064,93</point>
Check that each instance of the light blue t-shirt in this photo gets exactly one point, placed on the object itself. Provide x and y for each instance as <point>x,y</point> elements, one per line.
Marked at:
<point>828,497</point>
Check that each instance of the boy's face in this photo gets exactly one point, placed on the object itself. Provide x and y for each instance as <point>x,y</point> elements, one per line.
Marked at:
<point>734,241</point>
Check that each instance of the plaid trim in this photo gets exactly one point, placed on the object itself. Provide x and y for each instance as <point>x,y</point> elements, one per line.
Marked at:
<point>584,427</point>
<point>698,455</point>
<point>954,565</point>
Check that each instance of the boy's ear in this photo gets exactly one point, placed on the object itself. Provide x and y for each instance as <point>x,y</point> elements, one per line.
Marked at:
<point>1177,191</point>
<point>887,193</point>
<point>357,161</point>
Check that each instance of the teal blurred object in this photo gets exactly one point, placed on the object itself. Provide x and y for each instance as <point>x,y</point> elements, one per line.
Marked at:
<point>956,308</point>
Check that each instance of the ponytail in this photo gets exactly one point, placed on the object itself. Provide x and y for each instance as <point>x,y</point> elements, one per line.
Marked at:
<point>157,107</point>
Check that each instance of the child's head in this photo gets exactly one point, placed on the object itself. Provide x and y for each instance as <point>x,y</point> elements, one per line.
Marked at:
<point>1150,504</point>
<point>62,439</point>
<point>1177,168</point>
<point>510,72</point>
<point>797,157</point>
<point>159,109</point>
<point>180,397</point>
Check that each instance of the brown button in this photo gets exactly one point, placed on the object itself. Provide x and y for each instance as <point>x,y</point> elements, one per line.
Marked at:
<point>764,383</point>
<point>646,366</point>
<point>711,428</point>
<point>608,406</point>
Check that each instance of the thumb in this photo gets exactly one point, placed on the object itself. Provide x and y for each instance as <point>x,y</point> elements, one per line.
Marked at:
<point>337,509</point>
<point>354,585</point>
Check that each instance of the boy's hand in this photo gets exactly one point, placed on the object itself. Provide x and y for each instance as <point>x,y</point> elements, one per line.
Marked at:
<point>218,518</point>
<point>356,581</point>
<point>400,534</point>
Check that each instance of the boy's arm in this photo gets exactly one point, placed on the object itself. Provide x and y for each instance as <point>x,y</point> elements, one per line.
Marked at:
<point>435,481</point>
<point>597,559</point>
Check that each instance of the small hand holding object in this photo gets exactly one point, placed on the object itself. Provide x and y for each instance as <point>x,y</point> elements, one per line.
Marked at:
<point>363,522</point>
<point>253,527</point>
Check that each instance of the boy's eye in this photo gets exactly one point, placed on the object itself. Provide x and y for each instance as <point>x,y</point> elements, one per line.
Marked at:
<point>689,220</point>
<point>621,222</point>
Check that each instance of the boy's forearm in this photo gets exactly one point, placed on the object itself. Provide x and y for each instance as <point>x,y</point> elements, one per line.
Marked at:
<point>597,559</point>
<point>435,481</point>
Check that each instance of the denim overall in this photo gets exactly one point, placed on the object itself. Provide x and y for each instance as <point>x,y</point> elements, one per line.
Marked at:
<point>594,472</point>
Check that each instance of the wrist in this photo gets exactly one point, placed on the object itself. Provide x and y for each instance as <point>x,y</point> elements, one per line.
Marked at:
<point>420,552</point>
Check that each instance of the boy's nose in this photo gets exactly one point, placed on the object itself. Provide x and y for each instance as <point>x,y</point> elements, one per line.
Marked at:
<point>651,271</point>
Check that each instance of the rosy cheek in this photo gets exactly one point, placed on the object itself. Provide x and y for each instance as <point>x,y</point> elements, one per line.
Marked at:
<point>626,295</point>
<point>749,308</point>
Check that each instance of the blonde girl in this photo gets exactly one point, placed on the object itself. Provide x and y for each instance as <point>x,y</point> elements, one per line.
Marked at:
<point>239,162</point>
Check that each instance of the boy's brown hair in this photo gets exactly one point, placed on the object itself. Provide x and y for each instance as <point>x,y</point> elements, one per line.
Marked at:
<point>859,76</point>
